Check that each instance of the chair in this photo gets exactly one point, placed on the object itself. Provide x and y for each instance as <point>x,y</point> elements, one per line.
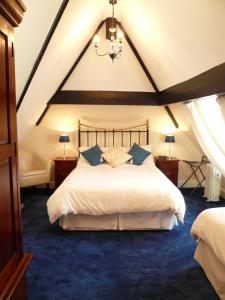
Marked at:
<point>34,169</point>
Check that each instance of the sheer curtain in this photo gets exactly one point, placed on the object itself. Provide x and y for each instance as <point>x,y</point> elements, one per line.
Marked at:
<point>209,127</point>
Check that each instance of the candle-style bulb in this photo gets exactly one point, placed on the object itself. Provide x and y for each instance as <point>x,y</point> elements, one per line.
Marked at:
<point>96,41</point>
<point>120,36</point>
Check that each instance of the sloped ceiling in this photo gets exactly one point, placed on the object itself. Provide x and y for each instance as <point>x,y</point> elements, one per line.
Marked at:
<point>123,75</point>
<point>176,39</point>
<point>30,36</point>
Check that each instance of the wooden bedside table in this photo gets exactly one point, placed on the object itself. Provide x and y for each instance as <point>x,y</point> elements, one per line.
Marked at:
<point>169,167</point>
<point>63,167</point>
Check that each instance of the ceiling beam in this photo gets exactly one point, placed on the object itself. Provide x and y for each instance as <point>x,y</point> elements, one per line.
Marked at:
<point>138,57</point>
<point>150,78</point>
<point>207,83</point>
<point>79,58</point>
<point>168,110</point>
<point>210,82</point>
<point>42,51</point>
<point>43,114</point>
<point>104,98</point>
<point>57,93</point>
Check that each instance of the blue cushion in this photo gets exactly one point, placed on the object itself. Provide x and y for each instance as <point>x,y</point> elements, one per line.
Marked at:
<point>93,155</point>
<point>139,154</point>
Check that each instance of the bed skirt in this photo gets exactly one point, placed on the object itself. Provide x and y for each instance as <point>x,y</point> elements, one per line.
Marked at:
<point>213,268</point>
<point>130,221</point>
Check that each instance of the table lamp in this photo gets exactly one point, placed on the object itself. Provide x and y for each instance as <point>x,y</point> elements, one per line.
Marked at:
<point>64,138</point>
<point>169,139</point>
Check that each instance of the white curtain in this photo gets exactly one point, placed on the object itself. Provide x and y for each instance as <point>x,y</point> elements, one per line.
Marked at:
<point>209,127</point>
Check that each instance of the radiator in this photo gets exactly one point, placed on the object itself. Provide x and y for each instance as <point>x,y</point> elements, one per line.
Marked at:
<point>212,183</point>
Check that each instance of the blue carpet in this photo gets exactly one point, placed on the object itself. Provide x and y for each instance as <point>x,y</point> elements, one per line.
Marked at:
<point>112,265</point>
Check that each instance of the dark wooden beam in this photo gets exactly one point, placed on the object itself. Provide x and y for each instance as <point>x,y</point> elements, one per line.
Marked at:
<point>79,57</point>
<point>104,98</point>
<point>205,84</point>
<point>42,115</point>
<point>208,83</point>
<point>171,116</point>
<point>42,51</point>
<point>133,48</point>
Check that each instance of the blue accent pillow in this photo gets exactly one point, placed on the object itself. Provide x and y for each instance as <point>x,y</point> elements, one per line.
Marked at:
<point>93,155</point>
<point>139,154</point>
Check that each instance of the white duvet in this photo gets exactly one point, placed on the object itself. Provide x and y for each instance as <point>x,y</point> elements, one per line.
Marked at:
<point>104,190</point>
<point>210,227</point>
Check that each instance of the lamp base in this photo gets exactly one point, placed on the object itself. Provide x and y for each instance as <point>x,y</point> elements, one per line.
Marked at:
<point>64,151</point>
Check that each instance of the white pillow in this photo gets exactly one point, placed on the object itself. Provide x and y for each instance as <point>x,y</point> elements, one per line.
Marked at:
<point>149,160</point>
<point>116,156</point>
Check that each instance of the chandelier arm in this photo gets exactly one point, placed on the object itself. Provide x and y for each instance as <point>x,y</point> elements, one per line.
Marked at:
<point>99,54</point>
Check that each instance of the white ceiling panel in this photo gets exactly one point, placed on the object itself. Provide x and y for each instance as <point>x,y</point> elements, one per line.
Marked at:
<point>99,73</point>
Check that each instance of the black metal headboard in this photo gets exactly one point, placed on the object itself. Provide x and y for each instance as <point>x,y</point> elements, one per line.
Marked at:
<point>91,135</point>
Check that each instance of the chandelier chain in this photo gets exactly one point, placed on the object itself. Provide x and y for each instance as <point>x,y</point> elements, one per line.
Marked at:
<point>113,11</point>
<point>116,38</point>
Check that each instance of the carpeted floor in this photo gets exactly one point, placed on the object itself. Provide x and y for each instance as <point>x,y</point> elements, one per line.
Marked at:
<point>112,265</point>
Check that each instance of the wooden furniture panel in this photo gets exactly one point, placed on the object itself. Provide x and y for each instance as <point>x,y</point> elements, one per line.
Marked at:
<point>20,291</point>
<point>3,90</point>
<point>63,167</point>
<point>169,167</point>
<point>6,215</point>
<point>13,262</point>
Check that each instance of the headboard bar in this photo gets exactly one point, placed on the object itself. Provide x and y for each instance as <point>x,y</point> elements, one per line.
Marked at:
<point>104,138</point>
<point>128,131</point>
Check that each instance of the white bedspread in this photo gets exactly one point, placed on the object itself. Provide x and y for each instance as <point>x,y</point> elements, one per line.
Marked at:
<point>105,190</point>
<point>210,227</point>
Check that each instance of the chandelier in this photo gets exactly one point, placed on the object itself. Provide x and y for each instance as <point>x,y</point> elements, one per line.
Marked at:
<point>112,34</point>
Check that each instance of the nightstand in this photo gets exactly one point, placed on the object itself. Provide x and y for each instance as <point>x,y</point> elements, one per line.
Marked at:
<point>63,167</point>
<point>169,167</point>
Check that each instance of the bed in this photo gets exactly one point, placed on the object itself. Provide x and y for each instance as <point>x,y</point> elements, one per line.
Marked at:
<point>209,232</point>
<point>127,197</point>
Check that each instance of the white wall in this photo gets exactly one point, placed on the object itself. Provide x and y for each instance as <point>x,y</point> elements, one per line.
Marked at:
<point>64,118</point>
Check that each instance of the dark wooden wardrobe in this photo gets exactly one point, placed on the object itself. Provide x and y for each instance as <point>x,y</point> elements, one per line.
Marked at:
<point>13,262</point>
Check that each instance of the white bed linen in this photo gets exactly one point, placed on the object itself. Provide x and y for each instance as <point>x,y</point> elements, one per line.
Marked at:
<point>214,270</point>
<point>104,190</point>
<point>210,227</point>
<point>132,221</point>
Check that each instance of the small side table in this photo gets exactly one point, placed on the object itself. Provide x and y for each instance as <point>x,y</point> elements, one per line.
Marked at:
<point>63,167</point>
<point>169,167</point>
